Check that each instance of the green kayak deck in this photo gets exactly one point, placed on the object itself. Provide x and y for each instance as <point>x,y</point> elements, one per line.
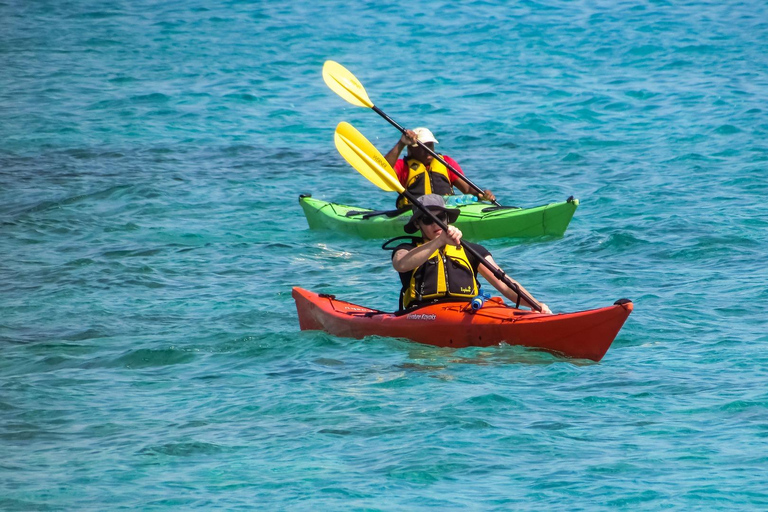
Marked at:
<point>477,221</point>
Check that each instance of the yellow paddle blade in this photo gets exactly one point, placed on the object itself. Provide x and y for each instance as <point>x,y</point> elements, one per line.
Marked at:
<point>344,83</point>
<point>365,158</point>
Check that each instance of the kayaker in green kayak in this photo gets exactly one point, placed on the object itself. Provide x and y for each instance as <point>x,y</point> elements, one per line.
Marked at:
<point>437,266</point>
<point>420,173</point>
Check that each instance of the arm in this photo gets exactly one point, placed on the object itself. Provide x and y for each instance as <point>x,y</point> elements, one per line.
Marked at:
<point>506,290</point>
<point>463,186</point>
<point>487,195</point>
<point>407,260</point>
<point>408,138</point>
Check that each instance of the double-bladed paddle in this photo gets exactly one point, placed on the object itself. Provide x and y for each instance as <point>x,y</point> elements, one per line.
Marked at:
<point>346,85</point>
<point>368,161</point>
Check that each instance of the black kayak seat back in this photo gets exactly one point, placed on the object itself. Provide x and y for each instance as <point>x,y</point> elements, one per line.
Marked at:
<point>367,214</point>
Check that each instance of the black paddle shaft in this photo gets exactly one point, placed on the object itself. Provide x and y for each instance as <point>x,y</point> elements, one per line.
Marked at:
<point>496,271</point>
<point>438,157</point>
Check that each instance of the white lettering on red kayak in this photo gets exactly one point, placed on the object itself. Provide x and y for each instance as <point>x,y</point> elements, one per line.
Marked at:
<point>355,309</point>
<point>421,317</point>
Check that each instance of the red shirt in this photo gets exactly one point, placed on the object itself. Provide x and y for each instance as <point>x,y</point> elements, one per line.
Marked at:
<point>402,170</point>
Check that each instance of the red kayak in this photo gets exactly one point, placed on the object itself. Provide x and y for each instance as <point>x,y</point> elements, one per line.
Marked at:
<point>583,335</point>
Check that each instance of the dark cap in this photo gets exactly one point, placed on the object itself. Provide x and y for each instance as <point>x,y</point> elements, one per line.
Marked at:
<point>433,203</point>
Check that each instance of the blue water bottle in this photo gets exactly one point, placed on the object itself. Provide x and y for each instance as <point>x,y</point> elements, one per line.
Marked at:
<point>452,201</point>
<point>479,300</point>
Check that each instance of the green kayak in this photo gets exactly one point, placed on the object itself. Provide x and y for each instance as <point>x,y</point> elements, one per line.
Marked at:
<point>477,221</point>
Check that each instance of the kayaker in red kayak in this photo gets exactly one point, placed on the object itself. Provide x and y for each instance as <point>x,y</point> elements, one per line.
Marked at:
<point>421,174</point>
<point>438,267</point>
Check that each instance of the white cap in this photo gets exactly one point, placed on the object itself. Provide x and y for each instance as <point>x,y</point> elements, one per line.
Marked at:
<point>424,136</point>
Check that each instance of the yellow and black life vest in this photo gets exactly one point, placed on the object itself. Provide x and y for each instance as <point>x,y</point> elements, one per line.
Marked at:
<point>447,273</point>
<point>422,181</point>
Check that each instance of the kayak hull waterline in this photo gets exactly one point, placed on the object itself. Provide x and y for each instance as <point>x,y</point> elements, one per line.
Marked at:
<point>477,221</point>
<point>582,335</point>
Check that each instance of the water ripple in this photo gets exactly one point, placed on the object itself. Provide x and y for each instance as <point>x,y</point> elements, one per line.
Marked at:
<point>150,160</point>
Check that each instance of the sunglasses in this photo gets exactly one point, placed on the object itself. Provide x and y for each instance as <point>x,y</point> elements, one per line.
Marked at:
<point>442,217</point>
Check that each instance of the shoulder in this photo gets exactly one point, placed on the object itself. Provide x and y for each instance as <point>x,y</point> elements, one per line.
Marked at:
<point>405,244</point>
<point>449,159</point>
<point>482,251</point>
<point>402,247</point>
<point>453,163</point>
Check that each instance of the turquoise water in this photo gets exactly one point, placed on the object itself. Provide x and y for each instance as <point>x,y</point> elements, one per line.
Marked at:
<point>151,154</point>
